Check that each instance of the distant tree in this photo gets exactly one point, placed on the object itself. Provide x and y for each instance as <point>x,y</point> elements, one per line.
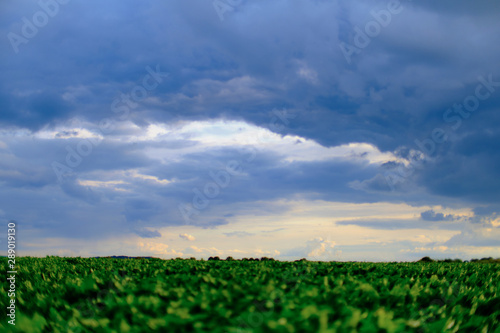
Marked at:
<point>229,259</point>
<point>426,259</point>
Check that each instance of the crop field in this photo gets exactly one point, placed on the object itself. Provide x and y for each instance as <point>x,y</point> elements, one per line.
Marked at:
<point>142,295</point>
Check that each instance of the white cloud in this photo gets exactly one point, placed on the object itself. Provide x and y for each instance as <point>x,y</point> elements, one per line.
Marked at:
<point>318,247</point>
<point>112,184</point>
<point>158,249</point>
<point>260,252</point>
<point>306,72</point>
<point>212,134</point>
<point>187,237</point>
<point>203,251</point>
<point>224,133</point>
<point>149,178</point>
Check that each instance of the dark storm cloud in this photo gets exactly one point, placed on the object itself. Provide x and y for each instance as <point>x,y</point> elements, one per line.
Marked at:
<point>73,189</point>
<point>486,210</point>
<point>264,55</point>
<point>33,111</point>
<point>430,215</point>
<point>267,178</point>
<point>140,209</point>
<point>469,170</point>
<point>145,233</point>
<point>147,202</point>
<point>220,63</point>
<point>481,8</point>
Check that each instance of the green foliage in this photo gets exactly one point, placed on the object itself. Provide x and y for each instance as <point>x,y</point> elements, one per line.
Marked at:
<point>139,295</point>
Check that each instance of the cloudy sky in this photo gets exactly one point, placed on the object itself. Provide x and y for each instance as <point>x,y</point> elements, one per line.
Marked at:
<point>331,130</point>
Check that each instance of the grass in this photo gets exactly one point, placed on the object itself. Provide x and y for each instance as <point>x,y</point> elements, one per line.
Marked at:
<point>56,294</point>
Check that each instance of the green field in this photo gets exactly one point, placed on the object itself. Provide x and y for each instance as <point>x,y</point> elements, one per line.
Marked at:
<point>140,295</point>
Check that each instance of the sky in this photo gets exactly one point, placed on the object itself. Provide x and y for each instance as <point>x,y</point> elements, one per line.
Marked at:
<point>327,130</point>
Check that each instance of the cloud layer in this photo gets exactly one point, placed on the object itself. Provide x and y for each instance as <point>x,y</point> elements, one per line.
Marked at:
<point>137,119</point>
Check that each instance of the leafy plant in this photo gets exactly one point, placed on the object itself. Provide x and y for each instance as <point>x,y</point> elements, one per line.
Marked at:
<point>146,294</point>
